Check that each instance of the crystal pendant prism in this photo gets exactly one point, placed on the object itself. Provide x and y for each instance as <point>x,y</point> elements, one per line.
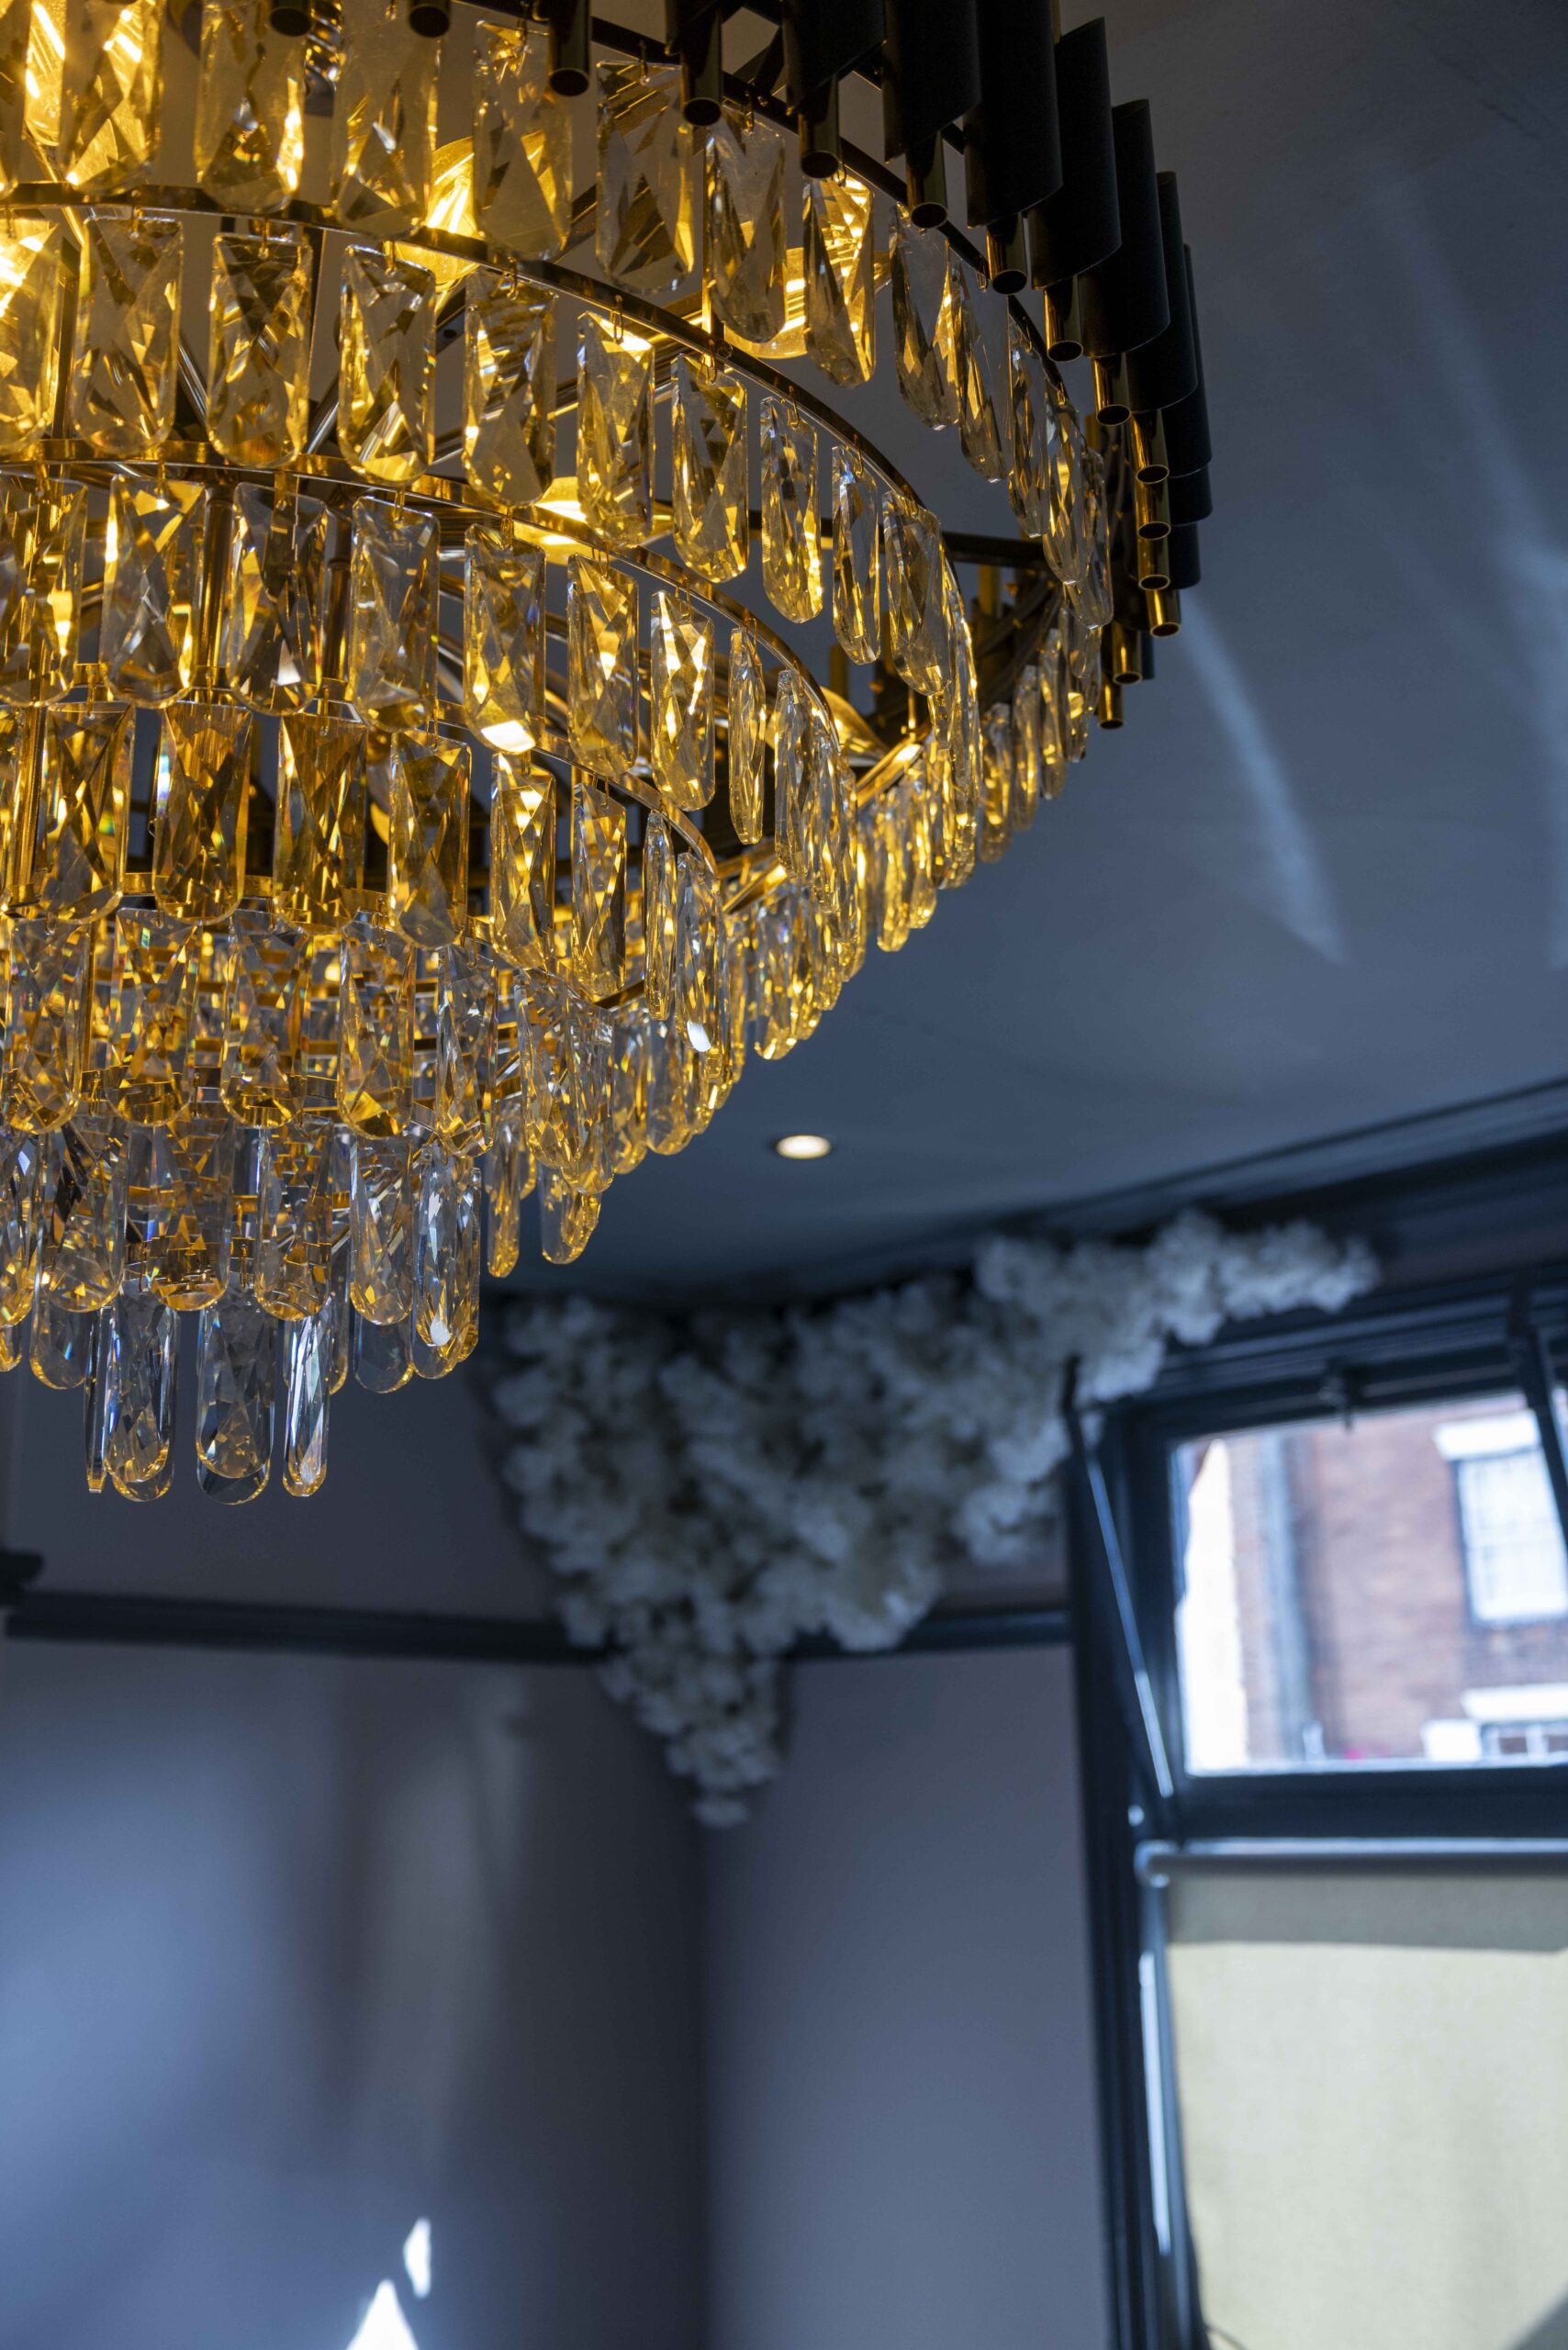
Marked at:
<point>745,734</point>
<point>43,542</point>
<point>46,1022</point>
<point>263,1003</point>
<point>203,789</point>
<point>34,250</point>
<point>710,507</point>
<point>192,1185</point>
<point>153,985</point>
<point>508,388</point>
<point>508,1176</point>
<point>383,1354</point>
<point>249,115</point>
<point>427,845</point>
<point>236,1370</point>
<point>1070,523</point>
<point>381,1230</point>
<point>629,1088</point>
<point>697,921</point>
<point>307,1372</point>
<point>140,1363</point>
<point>646,224</point>
<point>1092,595</point>
<point>387,347</point>
<point>153,588</point>
<point>1029,471</point>
<point>566,1218</point>
<point>21,1183</point>
<point>111,92</point>
<point>122,395</point>
<point>319,833</point>
<point>979,432</point>
<point>258,375</point>
<point>658,918</point>
<point>446,1248</point>
<point>614,433</point>
<point>599,889</point>
<point>996,785</point>
<point>791,550</point>
<point>857,570</point>
<point>523,144</point>
<point>923,323</point>
<point>272,625</point>
<point>295,1196</point>
<point>59,1345</point>
<point>15,41</point>
<point>601,666</point>
<point>503,639</point>
<point>916,608</point>
<point>522,865</point>
<point>791,718</point>
<point>389,664</point>
<point>75,856</point>
<point>464,1052</point>
<point>747,260</point>
<point>1026,748</point>
<point>82,1247</point>
<point>840,263</point>
<point>680,723</point>
<point>382,121</point>
<point>375,1064</point>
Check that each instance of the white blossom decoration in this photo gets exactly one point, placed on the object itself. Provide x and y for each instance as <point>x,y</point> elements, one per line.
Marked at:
<point>709,1491</point>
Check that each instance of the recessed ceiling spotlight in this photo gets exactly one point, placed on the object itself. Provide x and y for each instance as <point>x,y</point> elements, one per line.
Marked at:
<point>803,1146</point>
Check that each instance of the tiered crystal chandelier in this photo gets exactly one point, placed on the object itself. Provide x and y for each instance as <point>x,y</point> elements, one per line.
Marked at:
<point>406,804</point>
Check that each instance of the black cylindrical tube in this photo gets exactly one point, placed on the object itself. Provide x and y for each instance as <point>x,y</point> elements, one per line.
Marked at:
<point>1080,225</point>
<point>289,17</point>
<point>1166,370</point>
<point>1180,552</point>
<point>694,29</point>
<point>930,72</point>
<point>1124,299</point>
<point>1011,148</point>
<point>1188,497</point>
<point>428,19</point>
<point>571,46</point>
<point>1187,445</point>
<point>823,39</point>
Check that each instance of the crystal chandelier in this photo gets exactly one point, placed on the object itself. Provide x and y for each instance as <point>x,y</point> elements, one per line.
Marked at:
<point>415,792</point>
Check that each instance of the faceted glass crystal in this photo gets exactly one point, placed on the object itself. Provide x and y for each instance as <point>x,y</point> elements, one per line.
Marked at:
<point>392,629</point>
<point>791,549</point>
<point>710,509</point>
<point>387,345</point>
<point>598,888</point>
<point>152,587</point>
<point>375,1066</point>
<point>923,323</point>
<point>645,225</point>
<point>121,394</point>
<point>508,1176</point>
<point>1070,532</point>
<point>82,1247</point>
<point>523,144</point>
<point>697,921</point>
<point>916,621</point>
<point>747,734</point>
<point>747,258</point>
<point>250,121</point>
<point>236,1362</point>
<point>306,1374</point>
<point>522,865</point>
<point>383,119</point>
<point>503,639</point>
<point>262,1021</point>
<point>34,249</point>
<point>318,837</point>
<point>1093,595</point>
<point>46,1022</point>
<point>614,433</point>
<point>1029,473</point>
<point>978,429</point>
<point>383,1354</point>
<point>601,666</point>
<point>21,1172</point>
<point>15,40</point>
<point>446,1248</point>
<point>566,1218</point>
<point>857,572</point>
<point>996,784</point>
<point>295,1204</point>
<point>59,1345</point>
<point>141,1361</point>
<point>680,728</point>
<point>791,717</point>
<point>840,260</point>
<point>508,388</point>
<point>427,848</point>
<point>76,854</point>
<point>381,1230</point>
<point>1027,748</point>
<point>198,841</point>
<point>153,984</point>
<point>258,375</point>
<point>43,542</point>
<point>274,593</point>
<point>658,918</point>
<point>465,1022</point>
<point>193,1185</point>
<point>111,92</point>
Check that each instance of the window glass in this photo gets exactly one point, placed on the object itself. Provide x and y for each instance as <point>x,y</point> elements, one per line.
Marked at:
<point>1393,1590</point>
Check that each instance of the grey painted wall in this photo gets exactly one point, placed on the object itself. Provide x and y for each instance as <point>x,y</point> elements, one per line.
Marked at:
<point>901,2143</point>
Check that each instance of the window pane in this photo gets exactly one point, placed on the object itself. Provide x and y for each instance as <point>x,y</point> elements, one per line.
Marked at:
<point>1396,1591</point>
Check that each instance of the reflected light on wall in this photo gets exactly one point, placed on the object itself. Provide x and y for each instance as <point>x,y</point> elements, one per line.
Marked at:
<point>384,2327</point>
<point>417,2258</point>
<point>803,1147</point>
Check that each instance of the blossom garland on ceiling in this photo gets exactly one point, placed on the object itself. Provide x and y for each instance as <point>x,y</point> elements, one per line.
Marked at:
<point>709,1491</point>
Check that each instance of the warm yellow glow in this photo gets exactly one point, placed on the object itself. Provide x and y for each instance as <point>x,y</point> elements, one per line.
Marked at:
<point>803,1146</point>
